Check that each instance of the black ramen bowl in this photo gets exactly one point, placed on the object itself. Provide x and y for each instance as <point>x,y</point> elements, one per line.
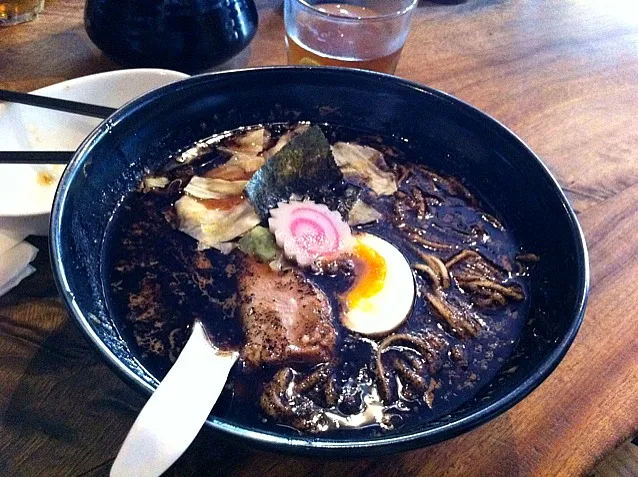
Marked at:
<point>457,139</point>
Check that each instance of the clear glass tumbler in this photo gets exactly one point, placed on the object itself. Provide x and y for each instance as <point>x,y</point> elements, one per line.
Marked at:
<point>366,34</point>
<point>18,11</point>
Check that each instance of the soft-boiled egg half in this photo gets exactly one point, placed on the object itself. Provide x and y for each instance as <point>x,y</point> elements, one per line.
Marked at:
<point>382,295</point>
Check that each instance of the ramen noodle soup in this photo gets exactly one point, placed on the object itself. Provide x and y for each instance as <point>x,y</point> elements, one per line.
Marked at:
<point>365,291</point>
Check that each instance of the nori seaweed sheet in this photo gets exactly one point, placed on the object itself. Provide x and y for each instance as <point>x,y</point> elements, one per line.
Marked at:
<point>304,167</point>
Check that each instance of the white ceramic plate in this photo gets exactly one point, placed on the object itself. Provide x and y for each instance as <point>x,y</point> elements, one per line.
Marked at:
<point>25,202</point>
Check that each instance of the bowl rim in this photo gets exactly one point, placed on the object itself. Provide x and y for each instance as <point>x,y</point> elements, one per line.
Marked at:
<point>311,445</point>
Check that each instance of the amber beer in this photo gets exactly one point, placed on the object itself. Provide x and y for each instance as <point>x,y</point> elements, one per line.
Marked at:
<point>334,34</point>
<point>18,11</point>
<point>298,54</point>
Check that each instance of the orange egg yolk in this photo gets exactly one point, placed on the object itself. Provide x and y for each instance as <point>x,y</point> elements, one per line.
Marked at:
<point>370,269</point>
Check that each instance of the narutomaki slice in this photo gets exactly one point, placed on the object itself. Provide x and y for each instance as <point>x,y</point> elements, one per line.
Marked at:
<point>307,231</point>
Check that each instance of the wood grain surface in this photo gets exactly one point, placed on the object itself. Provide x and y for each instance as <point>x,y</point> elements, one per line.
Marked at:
<point>623,462</point>
<point>563,75</point>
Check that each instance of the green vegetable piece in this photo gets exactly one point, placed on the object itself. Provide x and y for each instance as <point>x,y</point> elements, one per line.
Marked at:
<point>304,167</point>
<point>260,243</point>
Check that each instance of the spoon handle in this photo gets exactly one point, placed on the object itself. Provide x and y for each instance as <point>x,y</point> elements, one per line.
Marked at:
<point>176,411</point>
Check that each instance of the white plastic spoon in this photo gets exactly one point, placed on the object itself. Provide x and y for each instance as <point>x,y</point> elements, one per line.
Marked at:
<point>178,408</point>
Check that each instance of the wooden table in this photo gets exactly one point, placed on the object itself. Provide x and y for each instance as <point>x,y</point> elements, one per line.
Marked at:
<point>561,74</point>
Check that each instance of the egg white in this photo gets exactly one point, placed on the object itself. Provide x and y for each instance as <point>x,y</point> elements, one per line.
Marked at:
<point>390,306</point>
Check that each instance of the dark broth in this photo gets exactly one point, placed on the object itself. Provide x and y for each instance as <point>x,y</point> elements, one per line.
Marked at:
<point>159,283</point>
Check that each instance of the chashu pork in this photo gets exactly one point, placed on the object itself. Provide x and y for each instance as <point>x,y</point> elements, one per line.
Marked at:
<point>285,317</point>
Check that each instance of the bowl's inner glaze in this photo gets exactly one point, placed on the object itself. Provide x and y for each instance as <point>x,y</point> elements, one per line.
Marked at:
<point>456,140</point>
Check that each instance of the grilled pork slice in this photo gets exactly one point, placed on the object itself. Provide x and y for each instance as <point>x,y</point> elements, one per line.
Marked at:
<point>285,317</point>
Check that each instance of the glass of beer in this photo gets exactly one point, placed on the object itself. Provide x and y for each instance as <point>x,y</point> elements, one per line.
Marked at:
<point>18,11</point>
<point>366,34</point>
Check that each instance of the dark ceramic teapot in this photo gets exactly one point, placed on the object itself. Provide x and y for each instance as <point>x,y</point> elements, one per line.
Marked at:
<point>186,35</point>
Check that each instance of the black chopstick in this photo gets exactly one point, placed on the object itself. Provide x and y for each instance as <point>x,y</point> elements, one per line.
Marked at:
<point>67,106</point>
<point>35,157</point>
